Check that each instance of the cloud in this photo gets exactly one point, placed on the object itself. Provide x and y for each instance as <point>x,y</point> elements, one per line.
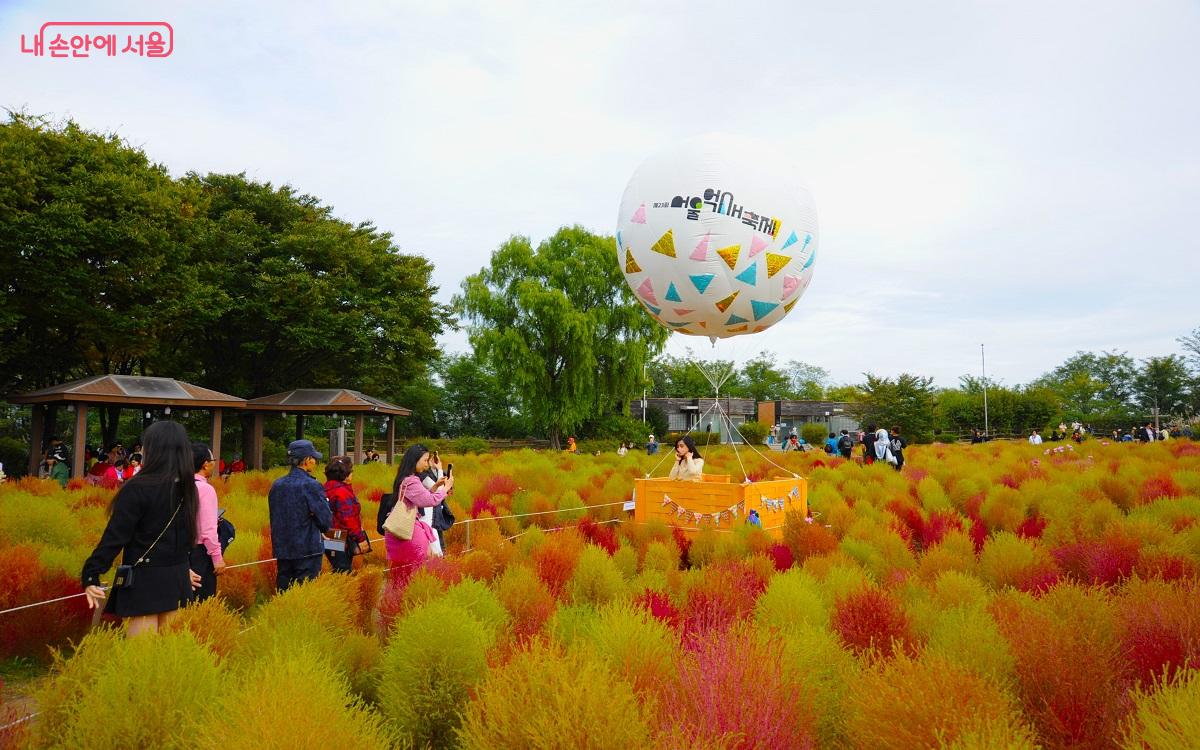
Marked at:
<point>1022,175</point>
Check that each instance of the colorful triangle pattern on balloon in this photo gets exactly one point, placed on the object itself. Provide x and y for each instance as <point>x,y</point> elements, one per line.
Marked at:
<point>739,329</point>
<point>672,295</point>
<point>776,262</point>
<point>681,311</point>
<point>679,324</point>
<point>735,319</point>
<point>665,245</point>
<point>757,245</point>
<point>762,309</point>
<point>724,304</point>
<point>631,265</point>
<point>702,281</point>
<point>619,246</point>
<point>730,255</point>
<point>652,308</point>
<point>791,240</point>
<point>701,251</point>
<point>749,276</point>
<point>639,216</point>
<point>647,291</point>
<point>788,307</point>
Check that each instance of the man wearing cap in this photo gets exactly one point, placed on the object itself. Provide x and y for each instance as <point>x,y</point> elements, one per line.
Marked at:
<point>299,513</point>
<point>651,446</point>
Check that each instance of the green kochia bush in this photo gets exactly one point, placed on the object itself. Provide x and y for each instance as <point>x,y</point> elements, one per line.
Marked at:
<point>437,652</point>
<point>149,691</point>
<point>546,699</point>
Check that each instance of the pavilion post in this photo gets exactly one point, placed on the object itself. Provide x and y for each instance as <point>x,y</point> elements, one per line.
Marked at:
<point>299,426</point>
<point>359,423</point>
<point>391,439</point>
<point>79,440</point>
<point>215,444</point>
<point>36,438</point>
<point>256,442</point>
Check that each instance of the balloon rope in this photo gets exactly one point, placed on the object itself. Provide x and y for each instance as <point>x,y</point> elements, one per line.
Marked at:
<point>745,475</point>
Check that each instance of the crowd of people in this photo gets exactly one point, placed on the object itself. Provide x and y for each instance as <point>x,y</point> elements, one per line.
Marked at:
<point>166,523</point>
<point>108,467</point>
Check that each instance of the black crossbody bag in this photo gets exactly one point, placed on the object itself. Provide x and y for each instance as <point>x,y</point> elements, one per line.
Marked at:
<point>123,579</point>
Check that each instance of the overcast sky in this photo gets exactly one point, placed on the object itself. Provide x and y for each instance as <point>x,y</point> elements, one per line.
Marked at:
<point>1024,175</point>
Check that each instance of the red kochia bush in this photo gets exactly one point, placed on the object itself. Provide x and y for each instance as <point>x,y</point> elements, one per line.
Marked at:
<point>1159,628</point>
<point>1069,671</point>
<point>727,594</point>
<point>1106,561</point>
<point>684,544</point>
<point>733,692</point>
<point>603,536</point>
<point>659,605</point>
<point>807,540</point>
<point>1032,527</point>
<point>1161,485</point>
<point>496,484</point>
<point>23,580</point>
<point>870,619</point>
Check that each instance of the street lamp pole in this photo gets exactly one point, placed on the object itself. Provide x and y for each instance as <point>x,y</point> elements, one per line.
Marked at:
<point>983,370</point>
<point>643,392</point>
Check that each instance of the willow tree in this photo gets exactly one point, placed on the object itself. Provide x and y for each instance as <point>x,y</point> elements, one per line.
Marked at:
<point>560,327</point>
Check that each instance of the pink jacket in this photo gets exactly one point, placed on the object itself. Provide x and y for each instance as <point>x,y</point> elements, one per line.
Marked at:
<point>415,493</point>
<point>206,520</point>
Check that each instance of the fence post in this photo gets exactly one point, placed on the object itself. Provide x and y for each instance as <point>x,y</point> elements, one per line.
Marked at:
<point>468,547</point>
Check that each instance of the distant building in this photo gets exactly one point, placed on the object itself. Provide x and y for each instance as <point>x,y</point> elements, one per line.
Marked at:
<point>698,414</point>
<point>789,414</point>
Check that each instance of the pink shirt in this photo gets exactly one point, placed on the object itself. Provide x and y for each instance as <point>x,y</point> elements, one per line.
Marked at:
<point>206,520</point>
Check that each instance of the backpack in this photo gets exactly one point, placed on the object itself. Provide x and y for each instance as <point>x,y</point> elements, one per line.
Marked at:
<point>896,446</point>
<point>845,443</point>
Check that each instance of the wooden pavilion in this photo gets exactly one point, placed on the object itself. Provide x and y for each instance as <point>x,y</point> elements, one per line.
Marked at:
<point>122,392</point>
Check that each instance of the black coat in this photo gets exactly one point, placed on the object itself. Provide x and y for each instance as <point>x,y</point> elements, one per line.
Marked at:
<point>142,509</point>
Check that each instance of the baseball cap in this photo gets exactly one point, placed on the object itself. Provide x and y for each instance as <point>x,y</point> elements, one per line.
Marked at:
<point>303,449</point>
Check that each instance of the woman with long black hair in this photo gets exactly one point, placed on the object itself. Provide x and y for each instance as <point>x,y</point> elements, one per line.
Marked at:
<point>406,555</point>
<point>152,522</point>
<point>689,466</point>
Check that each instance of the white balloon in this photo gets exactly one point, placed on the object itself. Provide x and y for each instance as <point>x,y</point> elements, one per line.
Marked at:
<point>717,236</point>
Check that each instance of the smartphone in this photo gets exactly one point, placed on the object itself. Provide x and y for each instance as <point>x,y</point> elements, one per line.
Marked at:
<point>449,469</point>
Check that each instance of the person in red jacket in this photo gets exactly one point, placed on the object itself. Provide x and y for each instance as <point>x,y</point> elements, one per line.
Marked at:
<point>347,513</point>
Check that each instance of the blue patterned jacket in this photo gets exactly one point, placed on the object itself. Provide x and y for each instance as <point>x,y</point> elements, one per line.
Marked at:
<point>299,513</point>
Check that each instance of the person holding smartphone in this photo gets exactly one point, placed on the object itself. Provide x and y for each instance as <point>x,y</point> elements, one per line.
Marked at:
<point>433,479</point>
<point>406,555</point>
<point>689,466</point>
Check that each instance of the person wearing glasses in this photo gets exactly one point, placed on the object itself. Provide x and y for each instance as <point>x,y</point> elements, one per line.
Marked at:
<point>206,556</point>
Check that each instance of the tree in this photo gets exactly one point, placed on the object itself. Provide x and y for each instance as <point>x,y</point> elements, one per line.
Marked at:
<point>91,234</point>
<point>679,377</point>
<point>808,382</point>
<point>906,401</point>
<point>305,299</point>
<point>561,327</point>
<point>474,401</point>
<point>1163,383</point>
<point>761,380</point>
<point>1191,349</point>
<point>1092,386</point>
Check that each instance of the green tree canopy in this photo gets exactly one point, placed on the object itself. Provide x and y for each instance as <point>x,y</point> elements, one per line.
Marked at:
<point>1164,383</point>
<point>906,401</point>
<point>1090,385</point>
<point>560,326</point>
